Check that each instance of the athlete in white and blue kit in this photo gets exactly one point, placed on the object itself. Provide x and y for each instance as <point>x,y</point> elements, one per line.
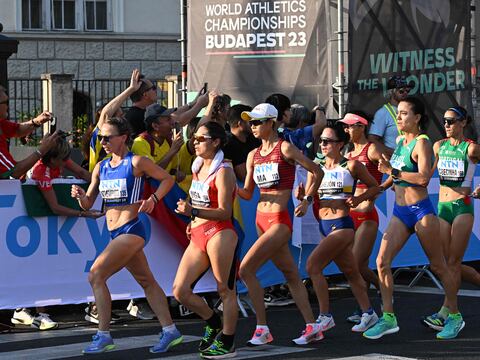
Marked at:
<point>120,181</point>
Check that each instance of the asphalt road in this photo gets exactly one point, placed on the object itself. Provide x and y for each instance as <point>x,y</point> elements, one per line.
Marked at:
<point>133,337</point>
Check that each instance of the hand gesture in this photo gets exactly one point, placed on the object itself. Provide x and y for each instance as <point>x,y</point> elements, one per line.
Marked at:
<point>203,99</point>
<point>183,208</point>
<point>78,192</point>
<point>135,81</point>
<point>48,141</point>
<point>299,192</point>
<point>147,205</point>
<point>43,118</point>
<point>476,193</point>
<point>352,201</point>
<point>301,209</point>
<point>384,165</point>
<point>212,96</point>
<point>93,214</point>
<point>177,142</point>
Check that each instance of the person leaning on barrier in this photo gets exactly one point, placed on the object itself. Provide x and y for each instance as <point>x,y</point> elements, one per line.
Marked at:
<point>9,168</point>
<point>384,130</point>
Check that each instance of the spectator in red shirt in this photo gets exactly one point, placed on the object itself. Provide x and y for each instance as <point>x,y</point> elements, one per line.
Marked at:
<point>8,166</point>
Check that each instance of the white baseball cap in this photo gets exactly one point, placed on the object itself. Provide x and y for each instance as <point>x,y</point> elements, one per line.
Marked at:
<point>262,111</point>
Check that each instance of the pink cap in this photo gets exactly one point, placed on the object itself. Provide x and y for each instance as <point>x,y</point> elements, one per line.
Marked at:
<point>351,119</point>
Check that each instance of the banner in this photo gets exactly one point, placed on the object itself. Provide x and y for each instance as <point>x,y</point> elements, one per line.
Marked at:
<point>251,49</point>
<point>426,41</point>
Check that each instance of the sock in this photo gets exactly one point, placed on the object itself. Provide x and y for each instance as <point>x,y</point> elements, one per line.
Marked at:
<point>214,321</point>
<point>369,311</point>
<point>455,316</point>
<point>103,333</point>
<point>170,328</point>
<point>326,314</point>
<point>443,313</point>
<point>227,340</point>
<point>263,327</point>
<point>390,317</point>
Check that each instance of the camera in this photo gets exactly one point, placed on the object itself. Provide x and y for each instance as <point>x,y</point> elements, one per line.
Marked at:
<point>52,125</point>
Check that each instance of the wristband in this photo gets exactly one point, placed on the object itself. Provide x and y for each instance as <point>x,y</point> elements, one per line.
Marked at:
<point>194,214</point>
<point>155,198</point>
<point>395,173</point>
<point>308,198</point>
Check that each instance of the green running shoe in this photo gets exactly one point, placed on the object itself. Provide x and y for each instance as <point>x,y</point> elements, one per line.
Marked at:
<point>218,351</point>
<point>453,325</point>
<point>208,337</point>
<point>383,327</point>
<point>434,321</point>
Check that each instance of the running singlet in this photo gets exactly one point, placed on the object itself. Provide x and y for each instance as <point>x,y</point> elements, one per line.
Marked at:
<point>371,167</point>
<point>205,193</point>
<point>272,172</point>
<point>337,183</point>
<point>402,158</point>
<point>455,168</point>
<point>118,185</point>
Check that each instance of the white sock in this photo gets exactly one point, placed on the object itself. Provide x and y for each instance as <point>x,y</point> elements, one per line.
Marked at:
<point>169,328</point>
<point>104,333</point>
<point>263,327</point>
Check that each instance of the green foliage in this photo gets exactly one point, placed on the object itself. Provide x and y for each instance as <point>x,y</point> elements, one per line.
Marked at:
<point>80,126</point>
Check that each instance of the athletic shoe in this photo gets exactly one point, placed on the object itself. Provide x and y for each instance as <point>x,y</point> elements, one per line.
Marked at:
<point>100,344</point>
<point>208,338</point>
<point>218,351</point>
<point>434,321</point>
<point>22,317</point>
<point>326,322</point>
<point>43,322</point>
<point>276,299</point>
<point>382,327</point>
<point>167,340</point>
<point>309,335</point>
<point>260,337</point>
<point>140,310</point>
<point>92,315</point>
<point>356,317</point>
<point>453,325</point>
<point>367,321</point>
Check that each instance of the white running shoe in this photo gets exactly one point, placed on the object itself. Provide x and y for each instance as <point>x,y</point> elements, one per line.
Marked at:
<point>22,317</point>
<point>367,321</point>
<point>326,322</point>
<point>311,334</point>
<point>43,322</point>
<point>260,337</point>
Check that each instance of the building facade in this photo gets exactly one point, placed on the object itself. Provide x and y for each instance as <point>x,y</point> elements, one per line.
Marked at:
<point>93,39</point>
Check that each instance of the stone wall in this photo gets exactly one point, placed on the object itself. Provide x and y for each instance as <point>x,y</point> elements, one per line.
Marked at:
<point>94,59</point>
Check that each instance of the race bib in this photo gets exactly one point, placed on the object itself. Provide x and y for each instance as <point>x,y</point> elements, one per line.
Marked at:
<point>113,189</point>
<point>266,175</point>
<point>332,183</point>
<point>397,162</point>
<point>451,169</point>
<point>199,194</point>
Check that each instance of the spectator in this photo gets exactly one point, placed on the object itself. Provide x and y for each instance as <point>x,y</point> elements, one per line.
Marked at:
<point>240,140</point>
<point>292,128</point>
<point>383,131</point>
<point>9,168</point>
<point>143,96</point>
<point>217,109</point>
<point>186,154</point>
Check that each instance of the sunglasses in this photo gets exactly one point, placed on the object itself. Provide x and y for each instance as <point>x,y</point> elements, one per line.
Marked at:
<point>258,122</point>
<point>106,138</point>
<point>403,91</point>
<point>326,141</point>
<point>450,120</point>
<point>201,138</point>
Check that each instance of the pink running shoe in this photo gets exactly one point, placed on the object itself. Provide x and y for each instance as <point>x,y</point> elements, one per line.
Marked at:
<point>260,337</point>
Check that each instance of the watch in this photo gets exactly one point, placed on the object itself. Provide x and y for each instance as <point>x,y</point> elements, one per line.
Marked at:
<point>194,213</point>
<point>308,198</point>
<point>395,173</point>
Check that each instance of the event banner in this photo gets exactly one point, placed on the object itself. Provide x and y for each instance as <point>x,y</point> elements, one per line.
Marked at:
<point>250,49</point>
<point>425,41</point>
